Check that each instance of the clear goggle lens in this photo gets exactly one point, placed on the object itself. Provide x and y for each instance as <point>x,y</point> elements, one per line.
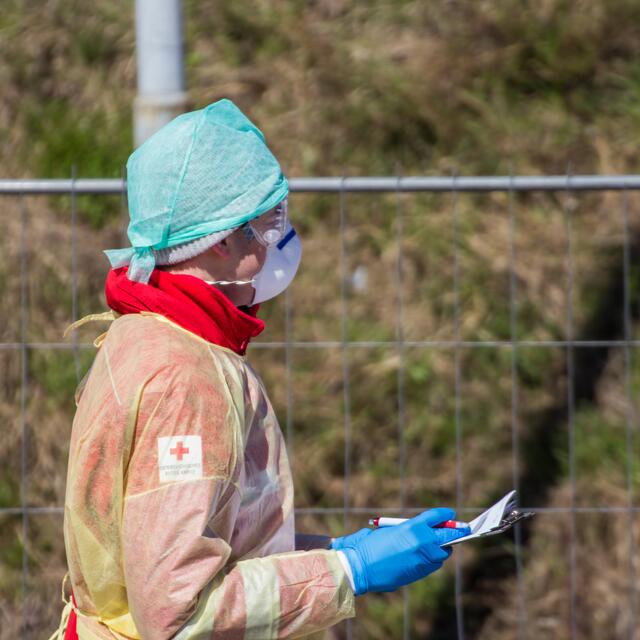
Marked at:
<point>268,229</point>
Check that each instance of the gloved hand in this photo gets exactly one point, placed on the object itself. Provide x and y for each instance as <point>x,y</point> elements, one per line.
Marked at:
<point>388,558</point>
<point>340,543</point>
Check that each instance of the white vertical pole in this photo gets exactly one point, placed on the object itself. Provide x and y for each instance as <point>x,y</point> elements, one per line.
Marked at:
<point>159,54</point>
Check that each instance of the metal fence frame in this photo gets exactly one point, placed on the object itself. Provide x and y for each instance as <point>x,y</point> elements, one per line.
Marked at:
<point>342,186</point>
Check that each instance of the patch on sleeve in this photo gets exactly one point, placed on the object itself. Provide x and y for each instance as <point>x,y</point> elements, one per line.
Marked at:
<point>180,458</point>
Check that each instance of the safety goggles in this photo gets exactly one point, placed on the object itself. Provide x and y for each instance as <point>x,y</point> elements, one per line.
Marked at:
<point>268,229</point>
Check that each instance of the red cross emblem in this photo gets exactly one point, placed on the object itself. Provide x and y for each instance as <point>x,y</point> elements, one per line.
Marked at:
<point>179,451</point>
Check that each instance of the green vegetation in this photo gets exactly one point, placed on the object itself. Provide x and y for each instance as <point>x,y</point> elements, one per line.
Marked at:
<point>66,136</point>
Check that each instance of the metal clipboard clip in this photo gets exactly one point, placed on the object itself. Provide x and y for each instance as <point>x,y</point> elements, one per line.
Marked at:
<point>512,515</point>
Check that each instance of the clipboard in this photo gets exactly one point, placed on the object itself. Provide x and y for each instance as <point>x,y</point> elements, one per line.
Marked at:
<point>498,518</point>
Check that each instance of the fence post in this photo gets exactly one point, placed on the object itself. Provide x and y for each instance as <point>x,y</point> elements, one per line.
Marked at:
<point>159,55</point>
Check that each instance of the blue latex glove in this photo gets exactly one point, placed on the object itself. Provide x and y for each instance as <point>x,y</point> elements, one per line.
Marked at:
<point>388,558</point>
<point>344,541</point>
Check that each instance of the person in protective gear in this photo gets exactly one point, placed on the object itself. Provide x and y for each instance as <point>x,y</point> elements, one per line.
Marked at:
<point>179,517</point>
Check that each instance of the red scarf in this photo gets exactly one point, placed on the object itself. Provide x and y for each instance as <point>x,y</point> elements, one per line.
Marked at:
<point>187,301</point>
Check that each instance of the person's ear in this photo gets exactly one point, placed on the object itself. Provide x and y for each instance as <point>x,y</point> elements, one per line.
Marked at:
<point>221,248</point>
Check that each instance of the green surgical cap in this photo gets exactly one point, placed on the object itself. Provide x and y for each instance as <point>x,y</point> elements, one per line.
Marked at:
<point>205,171</point>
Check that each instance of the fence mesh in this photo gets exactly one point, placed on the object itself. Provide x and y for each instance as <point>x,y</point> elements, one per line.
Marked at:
<point>446,340</point>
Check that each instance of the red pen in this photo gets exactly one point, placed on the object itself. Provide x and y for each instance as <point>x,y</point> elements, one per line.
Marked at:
<point>390,522</point>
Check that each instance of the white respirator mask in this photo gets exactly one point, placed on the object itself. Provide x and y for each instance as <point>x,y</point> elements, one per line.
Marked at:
<point>279,268</point>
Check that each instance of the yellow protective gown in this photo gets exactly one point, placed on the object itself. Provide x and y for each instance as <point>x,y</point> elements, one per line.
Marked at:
<point>179,506</point>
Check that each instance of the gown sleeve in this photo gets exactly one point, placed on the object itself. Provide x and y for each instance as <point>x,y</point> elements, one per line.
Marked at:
<point>181,503</point>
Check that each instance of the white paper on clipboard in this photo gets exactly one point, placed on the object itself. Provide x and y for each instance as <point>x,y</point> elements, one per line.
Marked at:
<point>486,521</point>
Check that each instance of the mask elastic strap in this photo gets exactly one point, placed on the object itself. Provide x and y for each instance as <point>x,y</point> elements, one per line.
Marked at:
<point>225,282</point>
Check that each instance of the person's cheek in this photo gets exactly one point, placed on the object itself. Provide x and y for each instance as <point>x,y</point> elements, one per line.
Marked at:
<point>251,264</point>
